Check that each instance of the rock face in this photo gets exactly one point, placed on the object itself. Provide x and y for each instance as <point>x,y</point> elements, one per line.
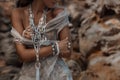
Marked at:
<point>9,63</point>
<point>101,49</point>
<point>99,42</point>
<point>97,25</point>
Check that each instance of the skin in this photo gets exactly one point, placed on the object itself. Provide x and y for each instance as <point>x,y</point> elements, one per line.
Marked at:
<point>20,21</point>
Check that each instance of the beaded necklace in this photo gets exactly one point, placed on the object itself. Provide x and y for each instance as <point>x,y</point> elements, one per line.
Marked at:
<point>39,35</point>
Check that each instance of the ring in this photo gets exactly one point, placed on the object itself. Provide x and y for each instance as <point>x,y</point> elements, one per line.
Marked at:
<point>69,45</point>
<point>23,34</point>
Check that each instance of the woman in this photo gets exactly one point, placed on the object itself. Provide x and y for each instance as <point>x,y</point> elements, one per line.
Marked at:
<point>55,39</point>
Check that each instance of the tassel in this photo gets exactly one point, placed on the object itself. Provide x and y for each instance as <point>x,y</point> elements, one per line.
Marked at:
<point>37,66</point>
<point>37,73</point>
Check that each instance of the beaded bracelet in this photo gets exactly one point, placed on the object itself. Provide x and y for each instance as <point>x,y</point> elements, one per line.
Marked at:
<point>55,48</point>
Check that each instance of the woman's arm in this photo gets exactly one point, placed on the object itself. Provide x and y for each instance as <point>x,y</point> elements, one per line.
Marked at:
<point>26,54</point>
<point>65,33</point>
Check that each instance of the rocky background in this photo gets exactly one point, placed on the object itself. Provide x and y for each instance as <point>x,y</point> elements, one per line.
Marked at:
<point>95,38</point>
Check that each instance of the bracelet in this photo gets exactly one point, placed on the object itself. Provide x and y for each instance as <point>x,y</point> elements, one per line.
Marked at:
<point>55,48</point>
<point>58,50</point>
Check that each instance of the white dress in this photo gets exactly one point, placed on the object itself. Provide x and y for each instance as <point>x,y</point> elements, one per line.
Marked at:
<point>52,67</point>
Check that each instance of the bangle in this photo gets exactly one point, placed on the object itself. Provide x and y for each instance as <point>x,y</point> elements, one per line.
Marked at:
<point>55,48</point>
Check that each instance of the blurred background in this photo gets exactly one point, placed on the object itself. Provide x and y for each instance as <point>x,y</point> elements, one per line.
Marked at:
<point>95,32</point>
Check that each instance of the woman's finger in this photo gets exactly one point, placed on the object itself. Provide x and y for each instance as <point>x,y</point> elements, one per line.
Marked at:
<point>27,34</point>
<point>29,29</point>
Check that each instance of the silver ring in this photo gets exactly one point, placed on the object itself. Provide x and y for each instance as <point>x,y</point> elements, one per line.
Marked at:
<point>23,34</point>
<point>69,45</point>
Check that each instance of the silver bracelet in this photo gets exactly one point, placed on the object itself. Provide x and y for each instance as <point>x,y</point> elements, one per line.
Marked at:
<point>55,48</point>
<point>58,49</point>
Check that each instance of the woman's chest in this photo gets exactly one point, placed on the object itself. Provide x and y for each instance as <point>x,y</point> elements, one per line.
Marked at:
<point>27,18</point>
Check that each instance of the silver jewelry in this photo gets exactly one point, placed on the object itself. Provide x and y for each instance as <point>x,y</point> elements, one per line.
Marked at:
<point>55,48</point>
<point>23,34</point>
<point>69,45</point>
<point>38,36</point>
<point>58,49</point>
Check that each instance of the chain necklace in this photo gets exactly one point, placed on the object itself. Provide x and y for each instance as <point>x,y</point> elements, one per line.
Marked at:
<point>39,32</point>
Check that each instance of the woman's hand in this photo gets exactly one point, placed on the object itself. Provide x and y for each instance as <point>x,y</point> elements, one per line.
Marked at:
<point>27,33</point>
<point>65,48</point>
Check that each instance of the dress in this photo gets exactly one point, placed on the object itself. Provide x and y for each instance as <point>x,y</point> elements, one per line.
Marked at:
<point>52,67</point>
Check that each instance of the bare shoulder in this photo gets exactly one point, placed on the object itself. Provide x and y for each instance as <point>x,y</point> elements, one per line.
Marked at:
<point>58,10</point>
<point>16,19</point>
<point>16,13</point>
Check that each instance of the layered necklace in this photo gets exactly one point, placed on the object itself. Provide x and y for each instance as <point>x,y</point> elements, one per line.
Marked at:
<point>39,35</point>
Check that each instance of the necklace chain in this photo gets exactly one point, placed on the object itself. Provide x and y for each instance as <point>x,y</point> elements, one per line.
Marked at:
<point>39,32</point>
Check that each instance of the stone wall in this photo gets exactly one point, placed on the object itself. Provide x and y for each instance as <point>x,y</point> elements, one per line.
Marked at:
<point>9,63</point>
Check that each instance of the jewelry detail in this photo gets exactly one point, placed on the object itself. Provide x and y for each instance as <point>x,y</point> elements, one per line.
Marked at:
<point>23,34</point>
<point>39,35</point>
<point>58,49</point>
<point>55,48</point>
<point>69,45</point>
